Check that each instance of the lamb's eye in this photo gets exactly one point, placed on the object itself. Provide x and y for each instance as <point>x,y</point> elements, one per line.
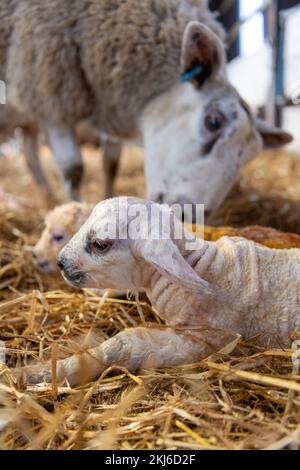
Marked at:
<point>101,246</point>
<point>214,121</point>
<point>58,238</point>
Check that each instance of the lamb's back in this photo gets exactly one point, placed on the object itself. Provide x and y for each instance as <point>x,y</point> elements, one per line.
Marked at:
<point>264,289</point>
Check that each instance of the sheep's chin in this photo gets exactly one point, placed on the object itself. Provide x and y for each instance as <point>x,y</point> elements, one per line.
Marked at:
<point>76,285</point>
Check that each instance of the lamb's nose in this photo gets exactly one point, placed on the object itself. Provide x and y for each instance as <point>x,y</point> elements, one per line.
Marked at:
<point>44,265</point>
<point>61,263</point>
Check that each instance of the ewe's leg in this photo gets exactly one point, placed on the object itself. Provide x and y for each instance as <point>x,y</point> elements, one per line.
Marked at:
<point>32,160</point>
<point>68,157</point>
<point>134,349</point>
<point>111,159</point>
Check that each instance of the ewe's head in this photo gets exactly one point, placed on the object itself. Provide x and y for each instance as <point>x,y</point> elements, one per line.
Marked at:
<point>123,242</point>
<point>61,224</point>
<point>199,135</point>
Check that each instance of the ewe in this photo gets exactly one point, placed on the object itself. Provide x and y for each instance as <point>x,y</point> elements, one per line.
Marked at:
<point>118,63</point>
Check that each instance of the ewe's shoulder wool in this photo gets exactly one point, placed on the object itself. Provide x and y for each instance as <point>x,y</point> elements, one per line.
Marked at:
<point>109,58</point>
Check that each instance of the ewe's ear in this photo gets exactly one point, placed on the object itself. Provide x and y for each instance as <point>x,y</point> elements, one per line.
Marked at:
<point>167,259</point>
<point>203,54</point>
<point>273,137</point>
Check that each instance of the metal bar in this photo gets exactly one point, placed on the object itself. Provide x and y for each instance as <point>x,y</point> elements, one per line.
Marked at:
<point>273,18</point>
<point>279,71</point>
<point>225,6</point>
<point>234,31</point>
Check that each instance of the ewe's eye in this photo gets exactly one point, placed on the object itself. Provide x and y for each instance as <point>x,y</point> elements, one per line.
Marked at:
<point>214,121</point>
<point>58,238</point>
<point>101,246</point>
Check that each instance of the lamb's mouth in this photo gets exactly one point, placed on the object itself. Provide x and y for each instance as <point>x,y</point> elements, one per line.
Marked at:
<point>75,279</point>
<point>46,267</point>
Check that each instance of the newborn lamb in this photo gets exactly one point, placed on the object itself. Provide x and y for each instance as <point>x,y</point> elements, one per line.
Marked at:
<point>60,226</point>
<point>205,292</point>
<point>65,220</point>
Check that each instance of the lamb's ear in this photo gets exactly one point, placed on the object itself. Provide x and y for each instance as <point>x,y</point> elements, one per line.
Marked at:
<point>273,137</point>
<point>203,54</point>
<point>167,259</point>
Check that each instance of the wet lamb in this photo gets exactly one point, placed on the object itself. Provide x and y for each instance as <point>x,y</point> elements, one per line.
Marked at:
<point>206,293</point>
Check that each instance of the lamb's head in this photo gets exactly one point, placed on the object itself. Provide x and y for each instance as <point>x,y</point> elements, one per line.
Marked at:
<point>123,242</point>
<point>198,136</point>
<point>60,225</point>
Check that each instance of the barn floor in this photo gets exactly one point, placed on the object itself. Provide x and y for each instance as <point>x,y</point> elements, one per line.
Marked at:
<point>245,402</point>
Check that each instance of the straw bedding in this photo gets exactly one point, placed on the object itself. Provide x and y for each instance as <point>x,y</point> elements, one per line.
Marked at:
<point>224,402</point>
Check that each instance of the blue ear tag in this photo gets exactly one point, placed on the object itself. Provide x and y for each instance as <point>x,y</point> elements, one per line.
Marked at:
<point>188,76</point>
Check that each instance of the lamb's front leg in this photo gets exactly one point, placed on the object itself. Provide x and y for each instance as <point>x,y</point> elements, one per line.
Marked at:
<point>134,349</point>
